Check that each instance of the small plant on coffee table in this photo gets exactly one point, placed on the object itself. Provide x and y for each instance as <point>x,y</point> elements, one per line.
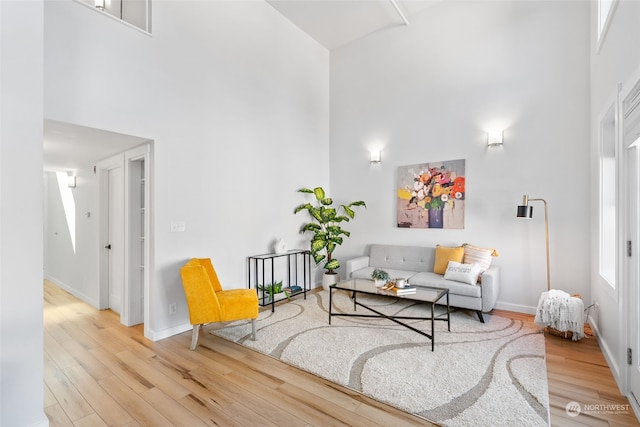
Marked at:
<point>379,276</point>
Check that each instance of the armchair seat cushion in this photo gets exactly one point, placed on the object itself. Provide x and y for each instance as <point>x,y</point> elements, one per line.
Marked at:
<point>238,304</point>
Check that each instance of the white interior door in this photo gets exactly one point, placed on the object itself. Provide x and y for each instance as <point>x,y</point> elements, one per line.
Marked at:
<point>115,245</point>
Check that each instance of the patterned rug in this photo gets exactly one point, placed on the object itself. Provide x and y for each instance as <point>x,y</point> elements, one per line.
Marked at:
<point>490,374</point>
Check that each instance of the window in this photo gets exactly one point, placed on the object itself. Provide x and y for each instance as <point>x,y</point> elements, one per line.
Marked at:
<point>605,12</point>
<point>134,12</point>
<point>608,233</point>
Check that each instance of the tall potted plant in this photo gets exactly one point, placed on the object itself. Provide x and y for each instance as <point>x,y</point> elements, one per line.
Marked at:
<point>326,226</point>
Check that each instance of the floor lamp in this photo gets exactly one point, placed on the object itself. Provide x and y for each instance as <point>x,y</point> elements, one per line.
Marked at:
<point>526,211</point>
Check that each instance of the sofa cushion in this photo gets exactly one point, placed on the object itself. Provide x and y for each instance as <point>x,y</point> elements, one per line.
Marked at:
<point>407,258</point>
<point>464,273</point>
<point>438,281</point>
<point>444,255</point>
<point>365,273</point>
<point>482,256</point>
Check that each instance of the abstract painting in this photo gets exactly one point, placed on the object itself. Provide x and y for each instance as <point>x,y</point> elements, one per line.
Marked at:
<point>432,195</point>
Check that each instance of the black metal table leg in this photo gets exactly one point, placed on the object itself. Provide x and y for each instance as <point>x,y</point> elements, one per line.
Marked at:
<point>433,332</point>
<point>448,312</point>
<point>330,302</point>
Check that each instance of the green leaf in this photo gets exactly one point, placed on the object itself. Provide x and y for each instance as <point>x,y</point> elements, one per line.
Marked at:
<point>318,257</point>
<point>341,218</point>
<point>305,190</point>
<point>358,203</point>
<point>303,207</point>
<point>311,226</point>
<point>316,245</point>
<point>334,264</point>
<point>319,192</point>
<point>315,213</point>
<point>349,211</point>
<point>320,235</point>
<point>327,201</point>
<point>331,246</point>
<point>328,214</point>
<point>334,229</point>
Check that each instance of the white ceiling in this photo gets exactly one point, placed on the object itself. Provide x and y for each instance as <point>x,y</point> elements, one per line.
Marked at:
<point>68,147</point>
<point>334,23</point>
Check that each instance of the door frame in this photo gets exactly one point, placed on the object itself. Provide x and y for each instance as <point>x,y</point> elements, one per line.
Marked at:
<point>629,93</point>
<point>141,152</point>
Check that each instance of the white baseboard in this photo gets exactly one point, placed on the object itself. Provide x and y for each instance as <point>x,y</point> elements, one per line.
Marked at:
<point>635,406</point>
<point>166,333</point>
<point>73,291</point>
<point>518,308</point>
<point>614,367</point>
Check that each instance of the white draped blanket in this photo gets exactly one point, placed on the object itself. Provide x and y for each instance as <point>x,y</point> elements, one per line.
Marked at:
<point>559,310</point>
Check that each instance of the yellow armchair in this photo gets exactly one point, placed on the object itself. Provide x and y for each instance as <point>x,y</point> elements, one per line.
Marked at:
<point>208,303</point>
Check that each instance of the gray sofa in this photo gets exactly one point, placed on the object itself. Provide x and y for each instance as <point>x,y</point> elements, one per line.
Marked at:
<point>416,264</point>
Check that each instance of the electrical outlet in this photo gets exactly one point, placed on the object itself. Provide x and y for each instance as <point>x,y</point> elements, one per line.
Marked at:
<point>172,308</point>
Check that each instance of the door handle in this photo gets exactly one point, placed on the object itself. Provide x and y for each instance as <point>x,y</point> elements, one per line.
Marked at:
<point>108,246</point>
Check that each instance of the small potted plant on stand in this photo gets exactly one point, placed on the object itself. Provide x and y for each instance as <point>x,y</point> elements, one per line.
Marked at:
<point>380,277</point>
<point>273,291</point>
<point>326,226</point>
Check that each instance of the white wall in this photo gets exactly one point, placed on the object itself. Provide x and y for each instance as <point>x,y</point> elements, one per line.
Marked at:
<point>21,296</point>
<point>236,100</point>
<point>613,64</point>
<point>73,269</point>
<point>429,91</point>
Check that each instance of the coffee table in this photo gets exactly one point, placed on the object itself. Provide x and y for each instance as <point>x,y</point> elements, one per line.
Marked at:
<point>423,295</point>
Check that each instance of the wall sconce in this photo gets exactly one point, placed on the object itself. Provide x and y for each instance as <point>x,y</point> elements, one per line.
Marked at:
<point>494,138</point>
<point>526,211</point>
<point>375,156</point>
<point>71,180</point>
<point>99,4</point>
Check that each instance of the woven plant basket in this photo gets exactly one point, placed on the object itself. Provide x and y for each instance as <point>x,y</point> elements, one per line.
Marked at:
<point>562,334</point>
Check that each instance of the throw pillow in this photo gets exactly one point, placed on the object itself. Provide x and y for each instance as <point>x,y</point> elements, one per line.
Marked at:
<point>445,254</point>
<point>465,273</point>
<point>482,256</point>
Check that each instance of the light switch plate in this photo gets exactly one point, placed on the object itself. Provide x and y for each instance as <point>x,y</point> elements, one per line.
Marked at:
<point>178,226</point>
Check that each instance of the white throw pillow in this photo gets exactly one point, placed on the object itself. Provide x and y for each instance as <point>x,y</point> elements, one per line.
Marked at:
<point>465,273</point>
<point>482,256</point>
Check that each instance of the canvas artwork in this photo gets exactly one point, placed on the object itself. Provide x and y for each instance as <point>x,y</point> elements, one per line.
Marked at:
<point>431,195</point>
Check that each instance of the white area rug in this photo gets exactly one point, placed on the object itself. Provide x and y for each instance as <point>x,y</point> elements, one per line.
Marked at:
<point>490,374</point>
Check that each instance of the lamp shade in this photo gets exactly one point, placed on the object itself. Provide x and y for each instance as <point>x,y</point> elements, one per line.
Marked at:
<point>525,211</point>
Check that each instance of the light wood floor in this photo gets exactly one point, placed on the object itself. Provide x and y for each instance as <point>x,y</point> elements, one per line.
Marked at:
<point>98,372</point>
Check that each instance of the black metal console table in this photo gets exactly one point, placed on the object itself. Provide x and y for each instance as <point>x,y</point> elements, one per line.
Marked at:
<point>292,267</point>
